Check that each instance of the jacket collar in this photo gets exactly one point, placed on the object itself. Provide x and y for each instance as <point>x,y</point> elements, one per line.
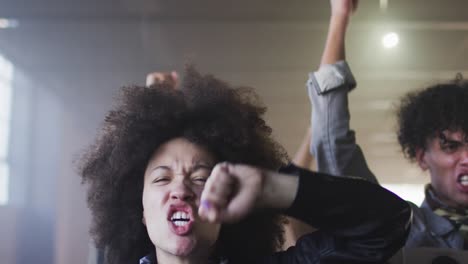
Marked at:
<point>151,259</point>
<point>439,225</point>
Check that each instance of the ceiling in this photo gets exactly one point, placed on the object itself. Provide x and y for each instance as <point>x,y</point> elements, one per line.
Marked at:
<point>213,10</point>
<point>97,46</point>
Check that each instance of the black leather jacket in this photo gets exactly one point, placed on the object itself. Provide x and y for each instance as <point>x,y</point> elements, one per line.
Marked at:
<point>358,221</point>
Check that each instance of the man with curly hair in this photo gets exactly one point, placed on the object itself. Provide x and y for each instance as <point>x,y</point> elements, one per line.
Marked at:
<point>432,131</point>
<point>190,175</point>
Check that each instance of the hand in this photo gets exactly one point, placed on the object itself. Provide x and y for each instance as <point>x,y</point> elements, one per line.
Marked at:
<point>231,192</point>
<point>343,7</point>
<point>159,77</point>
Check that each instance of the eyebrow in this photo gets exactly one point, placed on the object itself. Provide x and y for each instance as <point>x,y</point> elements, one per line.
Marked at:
<point>161,167</point>
<point>195,167</point>
<point>201,167</point>
<point>444,140</point>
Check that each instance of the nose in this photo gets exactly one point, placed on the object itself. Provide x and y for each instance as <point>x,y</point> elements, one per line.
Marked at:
<point>182,191</point>
<point>463,158</point>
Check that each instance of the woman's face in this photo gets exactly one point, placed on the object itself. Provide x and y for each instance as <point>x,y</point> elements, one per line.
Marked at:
<point>173,183</point>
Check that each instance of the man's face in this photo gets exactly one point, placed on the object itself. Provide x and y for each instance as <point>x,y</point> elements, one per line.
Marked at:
<point>446,158</point>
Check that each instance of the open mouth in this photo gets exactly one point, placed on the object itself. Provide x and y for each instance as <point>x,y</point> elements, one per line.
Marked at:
<point>463,180</point>
<point>180,218</point>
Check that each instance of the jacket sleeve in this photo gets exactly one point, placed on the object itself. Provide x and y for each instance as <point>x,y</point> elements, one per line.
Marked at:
<point>333,143</point>
<point>358,221</point>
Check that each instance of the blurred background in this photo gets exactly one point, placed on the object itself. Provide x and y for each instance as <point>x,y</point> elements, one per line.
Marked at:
<point>62,61</point>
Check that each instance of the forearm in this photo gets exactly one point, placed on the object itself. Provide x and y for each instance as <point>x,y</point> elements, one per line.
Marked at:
<point>279,190</point>
<point>313,197</point>
<point>303,158</point>
<point>318,195</point>
<point>356,213</point>
<point>334,50</point>
<point>352,228</point>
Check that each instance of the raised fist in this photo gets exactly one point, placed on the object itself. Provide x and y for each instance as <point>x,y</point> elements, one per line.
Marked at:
<point>343,7</point>
<point>160,77</point>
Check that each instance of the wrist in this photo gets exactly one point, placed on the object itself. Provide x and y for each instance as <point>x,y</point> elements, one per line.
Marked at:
<point>340,18</point>
<point>338,27</point>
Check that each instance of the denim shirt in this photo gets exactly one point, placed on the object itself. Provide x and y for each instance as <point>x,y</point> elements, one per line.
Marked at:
<point>334,147</point>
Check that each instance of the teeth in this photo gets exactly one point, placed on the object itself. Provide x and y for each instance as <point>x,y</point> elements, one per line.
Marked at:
<point>464,180</point>
<point>180,216</point>
<point>180,223</point>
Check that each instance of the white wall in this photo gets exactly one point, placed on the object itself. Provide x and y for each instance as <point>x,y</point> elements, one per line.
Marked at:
<point>8,221</point>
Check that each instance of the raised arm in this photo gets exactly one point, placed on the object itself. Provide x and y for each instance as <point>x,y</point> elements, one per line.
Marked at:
<point>352,227</point>
<point>156,77</point>
<point>333,143</point>
<point>341,11</point>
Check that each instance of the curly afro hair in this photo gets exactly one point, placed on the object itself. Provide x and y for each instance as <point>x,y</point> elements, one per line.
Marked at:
<point>424,114</point>
<point>206,111</point>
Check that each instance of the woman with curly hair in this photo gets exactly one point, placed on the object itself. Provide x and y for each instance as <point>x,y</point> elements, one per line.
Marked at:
<point>190,175</point>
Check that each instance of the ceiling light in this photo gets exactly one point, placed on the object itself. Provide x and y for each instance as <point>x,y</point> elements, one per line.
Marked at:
<point>383,5</point>
<point>8,23</point>
<point>390,40</point>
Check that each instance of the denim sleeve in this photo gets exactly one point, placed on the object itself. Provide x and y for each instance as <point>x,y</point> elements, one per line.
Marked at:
<point>333,143</point>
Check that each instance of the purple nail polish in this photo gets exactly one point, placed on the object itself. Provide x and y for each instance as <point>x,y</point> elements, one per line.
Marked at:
<point>205,204</point>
